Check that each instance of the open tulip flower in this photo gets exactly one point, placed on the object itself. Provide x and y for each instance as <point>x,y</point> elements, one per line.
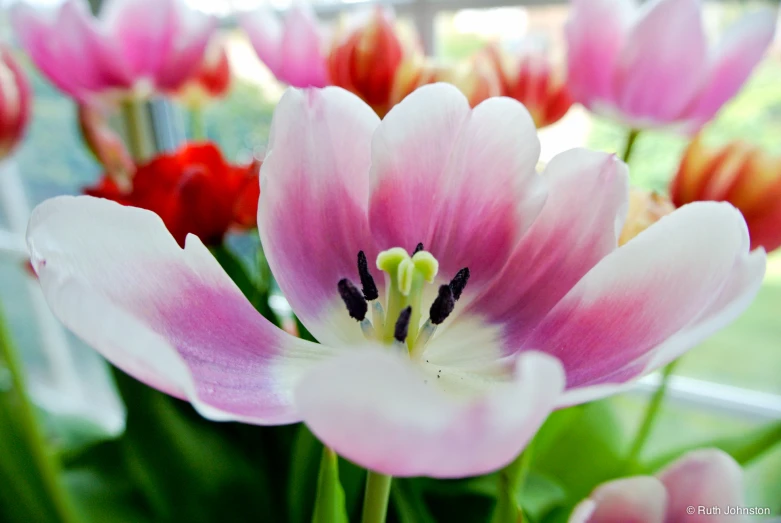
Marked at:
<point>293,50</point>
<point>14,102</point>
<point>651,65</point>
<point>133,48</point>
<point>702,479</point>
<point>193,190</point>
<point>532,79</point>
<point>742,174</point>
<point>454,291</point>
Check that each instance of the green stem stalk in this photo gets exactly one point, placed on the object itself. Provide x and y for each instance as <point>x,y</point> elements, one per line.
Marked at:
<point>135,129</point>
<point>48,467</point>
<point>511,480</point>
<point>375,500</point>
<point>630,145</point>
<point>197,123</point>
<point>651,412</point>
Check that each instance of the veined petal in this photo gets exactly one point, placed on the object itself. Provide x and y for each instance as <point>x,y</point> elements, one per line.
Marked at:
<point>640,499</point>
<point>739,51</point>
<point>461,181</point>
<point>312,211</point>
<point>170,317</point>
<point>661,66</point>
<point>644,293</point>
<point>705,477</point>
<point>566,240</point>
<point>735,296</point>
<point>595,32</point>
<point>385,414</point>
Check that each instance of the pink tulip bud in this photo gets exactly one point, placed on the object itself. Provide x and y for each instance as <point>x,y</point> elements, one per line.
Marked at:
<point>14,102</point>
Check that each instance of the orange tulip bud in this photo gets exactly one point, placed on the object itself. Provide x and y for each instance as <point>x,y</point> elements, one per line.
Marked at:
<point>645,209</point>
<point>14,102</point>
<point>366,61</point>
<point>741,174</point>
<point>532,79</point>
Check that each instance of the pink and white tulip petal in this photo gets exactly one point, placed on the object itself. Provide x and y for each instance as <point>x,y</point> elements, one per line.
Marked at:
<point>653,75</point>
<point>461,181</point>
<point>382,412</point>
<point>639,499</point>
<point>312,214</point>
<point>143,30</point>
<point>595,33</point>
<point>304,64</point>
<point>168,316</point>
<point>735,297</point>
<point>732,61</point>
<point>706,477</point>
<point>293,50</point>
<point>75,55</point>
<point>645,292</point>
<point>562,245</point>
<point>264,30</point>
<point>192,31</point>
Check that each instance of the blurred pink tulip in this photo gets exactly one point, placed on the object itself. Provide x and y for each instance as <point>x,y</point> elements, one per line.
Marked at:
<point>14,102</point>
<point>293,50</point>
<point>651,65</point>
<point>133,46</point>
<point>685,492</point>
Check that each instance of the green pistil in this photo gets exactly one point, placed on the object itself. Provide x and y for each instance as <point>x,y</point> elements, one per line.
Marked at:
<point>407,276</point>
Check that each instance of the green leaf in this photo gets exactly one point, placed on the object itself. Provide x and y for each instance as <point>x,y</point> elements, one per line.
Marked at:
<point>540,495</point>
<point>744,448</point>
<point>32,486</point>
<point>408,503</point>
<point>303,471</point>
<point>580,447</point>
<point>302,480</point>
<point>188,468</point>
<point>329,501</point>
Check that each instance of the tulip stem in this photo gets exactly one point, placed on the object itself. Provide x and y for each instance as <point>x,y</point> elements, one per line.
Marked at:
<point>134,126</point>
<point>630,145</point>
<point>197,123</point>
<point>375,500</point>
<point>48,467</point>
<point>651,412</point>
<point>511,480</point>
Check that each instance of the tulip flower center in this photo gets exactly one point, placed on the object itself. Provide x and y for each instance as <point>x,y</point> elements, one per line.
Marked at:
<point>400,321</point>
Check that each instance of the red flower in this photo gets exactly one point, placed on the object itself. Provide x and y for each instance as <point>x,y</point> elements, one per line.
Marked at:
<point>366,61</point>
<point>193,190</point>
<point>533,79</point>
